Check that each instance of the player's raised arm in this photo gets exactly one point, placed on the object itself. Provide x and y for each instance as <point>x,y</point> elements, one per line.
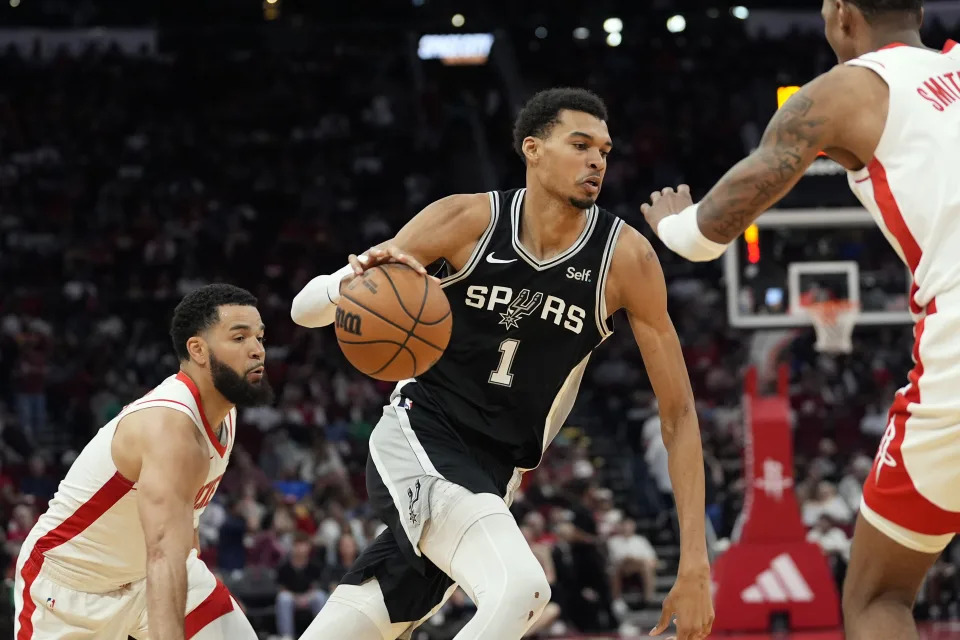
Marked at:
<point>638,287</point>
<point>440,230</point>
<point>173,470</point>
<point>826,114</point>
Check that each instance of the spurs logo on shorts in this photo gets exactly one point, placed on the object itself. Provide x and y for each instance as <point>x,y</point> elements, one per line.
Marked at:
<point>884,458</point>
<point>414,499</point>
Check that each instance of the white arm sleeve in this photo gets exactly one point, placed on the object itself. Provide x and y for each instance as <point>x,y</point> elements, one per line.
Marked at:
<point>316,304</point>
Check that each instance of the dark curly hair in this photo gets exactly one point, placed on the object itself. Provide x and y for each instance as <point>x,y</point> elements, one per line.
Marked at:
<point>873,9</point>
<point>198,311</point>
<point>542,112</point>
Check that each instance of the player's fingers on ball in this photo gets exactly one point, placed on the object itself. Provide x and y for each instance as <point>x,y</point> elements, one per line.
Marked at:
<point>354,262</point>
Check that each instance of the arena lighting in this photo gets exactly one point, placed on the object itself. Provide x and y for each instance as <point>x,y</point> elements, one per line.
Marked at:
<point>752,238</point>
<point>740,12</point>
<point>456,48</point>
<point>614,39</point>
<point>458,20</point>
<point>14,3</point>
<point>541,32</point>
<point>676,24</point>
<point>581,33</point>
<point>613,25</point>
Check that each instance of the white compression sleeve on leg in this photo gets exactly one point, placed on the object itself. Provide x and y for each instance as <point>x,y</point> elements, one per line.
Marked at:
<point>681,233</point>
<point>495,565</point>
<point>316,304</point>
<point>357,613</point>
<point>476,541</point>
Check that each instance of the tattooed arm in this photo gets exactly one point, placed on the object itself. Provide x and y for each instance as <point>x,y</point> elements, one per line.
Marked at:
<point>842,111</point>
<point>794,137</point>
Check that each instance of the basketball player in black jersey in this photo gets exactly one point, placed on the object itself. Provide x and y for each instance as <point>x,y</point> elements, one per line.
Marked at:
<point>533,276</point>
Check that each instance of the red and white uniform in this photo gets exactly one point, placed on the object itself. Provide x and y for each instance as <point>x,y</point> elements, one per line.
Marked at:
<point>82,569</point>
<point>912,188</point>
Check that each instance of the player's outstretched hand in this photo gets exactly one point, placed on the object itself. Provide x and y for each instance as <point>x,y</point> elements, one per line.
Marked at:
<point>666,202</point>
<point>691,603</point>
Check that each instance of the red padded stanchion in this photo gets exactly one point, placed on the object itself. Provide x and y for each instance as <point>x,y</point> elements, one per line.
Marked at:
<point>772,569</point>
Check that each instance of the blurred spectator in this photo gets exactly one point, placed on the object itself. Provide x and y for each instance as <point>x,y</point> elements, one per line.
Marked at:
<point>8,489</point>
<point>24,517</point>
<point>299,581</point>
<point>631,555</point>
<point>38,483</point>
<point>347,552</point>
<point>851,485</point>
<point>231,544</point>
<point>826,502</point>
<point>835,545</point>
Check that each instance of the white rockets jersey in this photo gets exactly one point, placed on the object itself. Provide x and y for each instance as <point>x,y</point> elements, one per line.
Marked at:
<point>912,186</point>
<point>90,537</point>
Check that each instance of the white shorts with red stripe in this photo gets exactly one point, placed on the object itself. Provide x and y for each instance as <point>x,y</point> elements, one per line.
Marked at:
<point>912,492</point>
<point>46,609</point>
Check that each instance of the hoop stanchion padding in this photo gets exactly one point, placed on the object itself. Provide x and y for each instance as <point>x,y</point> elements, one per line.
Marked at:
<point>772,569</point>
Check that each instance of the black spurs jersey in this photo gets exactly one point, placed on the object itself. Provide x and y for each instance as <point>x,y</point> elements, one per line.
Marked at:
<point>523,331</point>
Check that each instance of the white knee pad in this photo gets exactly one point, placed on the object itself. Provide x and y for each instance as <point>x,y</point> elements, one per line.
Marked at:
<point>356,612</point>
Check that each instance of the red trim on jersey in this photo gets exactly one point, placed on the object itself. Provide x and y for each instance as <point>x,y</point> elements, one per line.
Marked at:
<point>948,46</point>
<point>85,515</point>
<point>892,45</point>
<point>195,392</point>
<point>149,400</point>
<point>862,180</point>
<point>893,494</point>
<point>893,218</point>
<point>217,604</point>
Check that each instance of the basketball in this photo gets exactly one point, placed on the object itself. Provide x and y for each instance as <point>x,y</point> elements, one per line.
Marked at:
<point>393,323</point>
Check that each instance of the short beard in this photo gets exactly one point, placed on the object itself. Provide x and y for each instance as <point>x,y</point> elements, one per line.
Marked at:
<point>236,389</point>
<point>582,203</point>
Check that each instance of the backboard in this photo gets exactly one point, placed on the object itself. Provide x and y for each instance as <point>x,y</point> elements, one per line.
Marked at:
<point>796,256</point>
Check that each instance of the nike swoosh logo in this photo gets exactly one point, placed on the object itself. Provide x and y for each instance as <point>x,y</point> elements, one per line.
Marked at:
<point>493,260</point>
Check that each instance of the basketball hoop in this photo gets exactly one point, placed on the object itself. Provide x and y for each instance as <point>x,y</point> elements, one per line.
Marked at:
<point>834,321</point>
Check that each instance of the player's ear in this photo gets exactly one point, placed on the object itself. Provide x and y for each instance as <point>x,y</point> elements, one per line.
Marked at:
<point>198,349</point>
<point>845,15</point>
<point>532,149</point>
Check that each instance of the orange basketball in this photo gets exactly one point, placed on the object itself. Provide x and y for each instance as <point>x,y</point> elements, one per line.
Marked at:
<point>393,323</point>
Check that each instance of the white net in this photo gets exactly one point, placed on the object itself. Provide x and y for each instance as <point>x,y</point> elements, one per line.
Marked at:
<point>834,321</point>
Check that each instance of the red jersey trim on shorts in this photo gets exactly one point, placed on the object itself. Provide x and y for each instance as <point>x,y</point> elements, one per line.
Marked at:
<point>217,604</point>
<point>889,490</point>
<point>85,515</point>
<point>195,392</point>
